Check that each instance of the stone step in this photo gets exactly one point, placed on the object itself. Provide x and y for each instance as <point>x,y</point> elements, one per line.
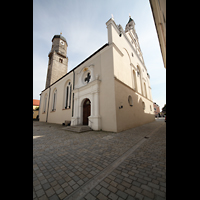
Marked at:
<point>77,129</point>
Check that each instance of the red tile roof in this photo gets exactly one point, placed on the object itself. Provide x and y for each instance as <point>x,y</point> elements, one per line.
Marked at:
<point>36,102</point>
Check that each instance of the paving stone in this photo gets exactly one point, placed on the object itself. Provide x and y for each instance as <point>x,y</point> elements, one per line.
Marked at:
<point>113,196</point>
<point>130,192</point>
<point>148,194</point>
<point>72,182</point>
<point>49,192</point>
<point>94,192</point>
<point>136,189</point>
<point>62,195</point>
<point>104,184</point>
<point>146,187</point>
<point>121,194</point>
<point>75,186</point>
<point>54,197</point>
<point>89,197</point>
<point>38,187</point>
<point>80,182</point>
<point>153,185</point>
<point>131,198</point>
<point>158,192</point>
<point>112,189</point>
<point>101,197</point>
<point>104,191</point>
<point>40,192</point>
<point>68,190</point>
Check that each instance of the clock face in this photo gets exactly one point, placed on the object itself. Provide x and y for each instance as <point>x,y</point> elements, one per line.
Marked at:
<point>61,42</point>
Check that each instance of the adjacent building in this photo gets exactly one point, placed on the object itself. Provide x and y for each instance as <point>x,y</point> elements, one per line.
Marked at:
<point>36,104</point>
<point>156,109</point>
<point>158,8</point>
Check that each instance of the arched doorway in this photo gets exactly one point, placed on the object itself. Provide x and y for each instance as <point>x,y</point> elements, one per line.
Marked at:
<point>86,111</point>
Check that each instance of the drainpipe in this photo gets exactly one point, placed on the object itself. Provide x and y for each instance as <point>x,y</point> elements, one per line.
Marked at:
<point>39,108</point>
<point>48,104</point>
<point>73,94</point>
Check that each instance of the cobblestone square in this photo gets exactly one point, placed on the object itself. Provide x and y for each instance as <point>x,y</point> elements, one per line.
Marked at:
<point>98,164</point>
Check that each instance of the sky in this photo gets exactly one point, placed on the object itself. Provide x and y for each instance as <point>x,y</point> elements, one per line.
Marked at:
<point>83,24</point>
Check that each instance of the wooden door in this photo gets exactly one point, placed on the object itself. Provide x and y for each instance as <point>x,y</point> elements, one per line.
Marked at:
<point>86,111</point>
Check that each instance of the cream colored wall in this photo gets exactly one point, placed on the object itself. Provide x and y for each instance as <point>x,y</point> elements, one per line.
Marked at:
<point>124,64</point>
<point>60,115</point>
<point>107,91</point>
<point>103,68</point>
<point>131,116</point>
<point>42,115</point>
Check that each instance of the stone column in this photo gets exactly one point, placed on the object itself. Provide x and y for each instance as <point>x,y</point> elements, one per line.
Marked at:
<point>96,101</point>
<point>93,103</point>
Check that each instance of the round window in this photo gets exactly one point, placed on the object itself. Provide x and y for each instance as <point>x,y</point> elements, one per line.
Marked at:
<point>87,77</point>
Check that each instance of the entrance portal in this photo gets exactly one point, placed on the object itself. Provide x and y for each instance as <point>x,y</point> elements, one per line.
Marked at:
<point>86,111</point>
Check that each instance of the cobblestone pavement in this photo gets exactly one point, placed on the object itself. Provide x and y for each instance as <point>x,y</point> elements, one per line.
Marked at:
<point>99,165</point>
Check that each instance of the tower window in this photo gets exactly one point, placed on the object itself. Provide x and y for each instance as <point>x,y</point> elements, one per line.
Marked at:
<point>60,60</point>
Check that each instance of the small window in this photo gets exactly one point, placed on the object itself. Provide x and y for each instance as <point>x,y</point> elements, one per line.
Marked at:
<point>132,54</point>
<point>54,100</point>
<point>143,105</point>
<point>130,100</point>
<point>60,60</point>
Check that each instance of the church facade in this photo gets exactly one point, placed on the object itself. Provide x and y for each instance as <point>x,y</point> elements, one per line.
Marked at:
<point>110,90</point>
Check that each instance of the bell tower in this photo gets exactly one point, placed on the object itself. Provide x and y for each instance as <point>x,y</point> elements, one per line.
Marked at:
<point>58,60</point>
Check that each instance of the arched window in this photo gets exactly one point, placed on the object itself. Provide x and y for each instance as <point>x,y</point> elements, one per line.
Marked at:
<point>45,103</point>
<point>130,100</point>
<point>68,91</point>
<point>54,100</point>
<point>140,78</point>
<point>143,105</point>
<point>145,90</point>
<point>134,81</point>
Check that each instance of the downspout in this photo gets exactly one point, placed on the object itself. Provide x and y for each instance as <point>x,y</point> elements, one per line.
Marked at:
<point>39,108</point>
<point>48,104</point>
<point>73,94</point>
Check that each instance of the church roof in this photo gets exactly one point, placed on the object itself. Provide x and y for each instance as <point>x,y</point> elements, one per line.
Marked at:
<point>59,36</point>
